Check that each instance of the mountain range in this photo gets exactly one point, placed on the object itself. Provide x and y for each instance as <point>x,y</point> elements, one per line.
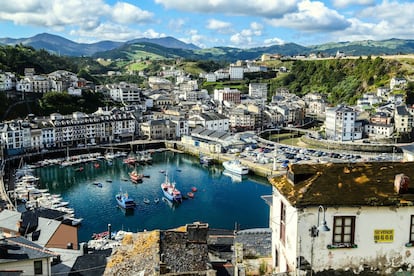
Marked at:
<point>170,47</point>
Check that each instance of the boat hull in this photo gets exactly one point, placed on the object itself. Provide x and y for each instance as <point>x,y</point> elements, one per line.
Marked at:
<point>124,202</point>
<point>236,167</point>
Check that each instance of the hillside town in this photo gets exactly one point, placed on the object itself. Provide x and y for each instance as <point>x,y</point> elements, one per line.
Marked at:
<point>325,217</point>
<point>169,110</point>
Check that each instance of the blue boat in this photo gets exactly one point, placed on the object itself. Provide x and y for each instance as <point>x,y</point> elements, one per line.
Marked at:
<point>125,201</point>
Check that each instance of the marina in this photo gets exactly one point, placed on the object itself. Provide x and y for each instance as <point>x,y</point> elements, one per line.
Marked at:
<point>216,198</point>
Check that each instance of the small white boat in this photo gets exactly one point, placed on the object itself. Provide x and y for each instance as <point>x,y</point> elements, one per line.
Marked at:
<point>235,166</point>
<point>146,201</point>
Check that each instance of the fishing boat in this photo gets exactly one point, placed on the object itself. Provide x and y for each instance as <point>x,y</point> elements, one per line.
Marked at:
<point>135,176</point>
<point>129,160</point>
<point>125,201</point>
<point>170,191</point>
<point>235,166</point>
<point>156,200</point>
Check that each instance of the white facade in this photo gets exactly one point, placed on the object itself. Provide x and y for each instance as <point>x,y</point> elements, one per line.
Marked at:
<point>125,93</point>
<point>369,219</point>
<point>7,81</point>
<point>211,77</point>
<point>34,84</point>
<point>258,90</point>
<point>236,72</point>
<point>323,254</point>
<point>28,267</point>
<point>209,120</point>
<point>340,124</point>
<point>378,131</point>
<point>397,83</point>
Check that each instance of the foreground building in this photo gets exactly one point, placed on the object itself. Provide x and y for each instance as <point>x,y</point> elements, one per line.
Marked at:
<point>343,217</point>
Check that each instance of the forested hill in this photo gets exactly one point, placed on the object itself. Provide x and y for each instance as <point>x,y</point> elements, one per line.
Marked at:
<point>341,80</point>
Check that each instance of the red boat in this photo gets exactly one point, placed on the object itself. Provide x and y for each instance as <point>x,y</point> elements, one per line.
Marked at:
<point>190,194</point>
<point>129,160</point>
<point>96,165</point>
<point>136,177</point>
<point>97,236</point>
<point>194,189</point>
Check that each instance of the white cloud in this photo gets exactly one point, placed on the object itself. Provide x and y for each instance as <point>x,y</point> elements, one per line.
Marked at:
<point>194,37</point>
<point>176,24</point>
<point>312,17</point>
<point>387,20</point>
<point>219,26</point>
<point>115,32</point>
<point>126,13</point>
<point>266,8</point>
<point>246,37</point>
<point>347,3</point>
<point>273,41</point>
<point>82,14</point>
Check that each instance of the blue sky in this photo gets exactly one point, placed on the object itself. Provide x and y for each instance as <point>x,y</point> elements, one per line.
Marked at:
<point>209,23</point>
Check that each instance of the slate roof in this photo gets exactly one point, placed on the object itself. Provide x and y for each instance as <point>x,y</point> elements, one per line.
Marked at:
<point>91,264</point>
<point>19,248</point>
<point>345,184</point>
<point>9,220</point>
<point>44,231</point>
<point>402,110</point>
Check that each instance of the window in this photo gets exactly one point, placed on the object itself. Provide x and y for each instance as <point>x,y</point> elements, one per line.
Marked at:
<point>412,229</point>
<point>38,267</point>
<point>282,222</point>
<point>344,230</point>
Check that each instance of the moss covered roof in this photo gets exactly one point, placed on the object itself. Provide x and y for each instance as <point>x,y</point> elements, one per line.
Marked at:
<point>345,184</point>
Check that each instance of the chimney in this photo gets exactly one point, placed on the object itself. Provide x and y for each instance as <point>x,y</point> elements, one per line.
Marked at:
<point>401,183</point>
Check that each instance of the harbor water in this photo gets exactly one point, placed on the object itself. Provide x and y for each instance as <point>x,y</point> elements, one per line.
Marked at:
<point>222,200</point>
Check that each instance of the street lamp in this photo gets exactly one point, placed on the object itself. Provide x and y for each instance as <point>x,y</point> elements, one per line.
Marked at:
<point>321,225</point>
<point>314,232</point>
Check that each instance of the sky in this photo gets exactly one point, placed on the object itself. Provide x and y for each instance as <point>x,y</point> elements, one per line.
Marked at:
<point>211,23</point>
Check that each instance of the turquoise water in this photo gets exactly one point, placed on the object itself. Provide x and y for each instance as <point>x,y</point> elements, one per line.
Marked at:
<point>219,200</point>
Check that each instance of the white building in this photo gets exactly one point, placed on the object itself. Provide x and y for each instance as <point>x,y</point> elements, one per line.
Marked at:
<point>211,77</point>
<point>209,120</point>
<point>340,124</point>
<point>258,90</point>
<point>23,257</point>
<point>124,92</point>
<point>397,83</point>
<point>227,94</point>
<point>7,81</point>
<point>15,136</point>
<point>236,72</point>
<point>34,84</point>
<point>222,74</point>
<point>341,217</point>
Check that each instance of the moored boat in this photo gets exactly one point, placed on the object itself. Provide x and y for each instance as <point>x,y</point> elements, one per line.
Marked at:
<point>170,191</point>
<point>135,176</point>
<point>125,201</point>
<point>190,194</point>
<point>235,166</point>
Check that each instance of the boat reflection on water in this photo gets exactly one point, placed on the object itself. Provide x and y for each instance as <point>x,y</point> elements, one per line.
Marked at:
<point>127,212</point>
<point>234,176</point>
<point>170,203</point>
